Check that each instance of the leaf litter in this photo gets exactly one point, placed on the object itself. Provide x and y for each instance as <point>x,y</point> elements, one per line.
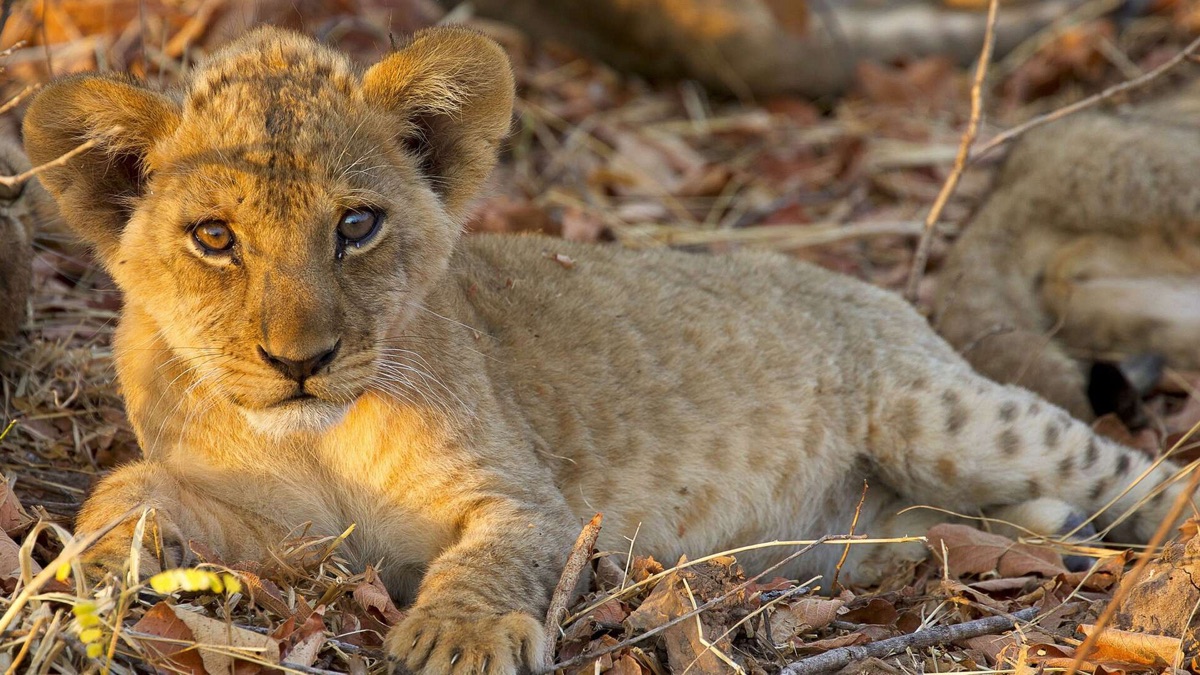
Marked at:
<point>595,156</point>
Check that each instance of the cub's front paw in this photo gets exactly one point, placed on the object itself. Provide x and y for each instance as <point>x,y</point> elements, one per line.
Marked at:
<point>162,547</point>
<point>433,642</point>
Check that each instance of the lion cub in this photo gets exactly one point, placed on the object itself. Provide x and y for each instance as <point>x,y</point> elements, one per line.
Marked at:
<point>306,338</point>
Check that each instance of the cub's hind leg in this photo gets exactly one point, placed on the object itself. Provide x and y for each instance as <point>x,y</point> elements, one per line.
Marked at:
<point>970,445</point>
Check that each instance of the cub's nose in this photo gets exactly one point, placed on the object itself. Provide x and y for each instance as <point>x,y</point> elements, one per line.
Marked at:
<point>299,369</point>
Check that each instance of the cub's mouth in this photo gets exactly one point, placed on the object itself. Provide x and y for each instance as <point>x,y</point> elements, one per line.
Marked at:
<point>298,397</point>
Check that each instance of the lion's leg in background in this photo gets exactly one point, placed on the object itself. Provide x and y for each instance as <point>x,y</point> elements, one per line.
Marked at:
<point>1116,297</point>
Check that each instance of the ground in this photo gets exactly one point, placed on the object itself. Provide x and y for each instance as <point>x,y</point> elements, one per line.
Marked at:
<point>595,156</point>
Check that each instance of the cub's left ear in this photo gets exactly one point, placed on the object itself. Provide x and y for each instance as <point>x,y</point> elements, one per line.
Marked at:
<point>453,89</point>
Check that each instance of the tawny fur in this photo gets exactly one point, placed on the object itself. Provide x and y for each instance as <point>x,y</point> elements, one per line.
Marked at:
<point>1088,248</point>
<point>484,398</point>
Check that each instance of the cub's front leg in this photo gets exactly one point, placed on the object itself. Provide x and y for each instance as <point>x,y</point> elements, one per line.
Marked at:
<point>480,607</point>
<point>183,511</point>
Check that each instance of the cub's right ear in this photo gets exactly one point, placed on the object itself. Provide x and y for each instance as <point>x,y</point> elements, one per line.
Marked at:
<point>96,189</point>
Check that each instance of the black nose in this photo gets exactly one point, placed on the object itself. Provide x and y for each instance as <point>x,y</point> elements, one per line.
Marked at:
<point>299,369</point>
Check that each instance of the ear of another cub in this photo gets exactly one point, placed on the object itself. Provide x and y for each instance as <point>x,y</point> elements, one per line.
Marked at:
<point>451,89</point>
<point>94,189</point>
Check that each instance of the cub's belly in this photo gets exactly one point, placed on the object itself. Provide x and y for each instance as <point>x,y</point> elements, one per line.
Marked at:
<point>693,500</point>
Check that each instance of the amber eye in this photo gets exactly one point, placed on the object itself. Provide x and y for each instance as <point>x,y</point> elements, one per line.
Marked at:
<point>357,225</point>
<point>213,236</point>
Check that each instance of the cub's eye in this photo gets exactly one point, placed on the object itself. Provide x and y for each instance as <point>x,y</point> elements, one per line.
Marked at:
<point>213,236</point>
<point>357,226</point>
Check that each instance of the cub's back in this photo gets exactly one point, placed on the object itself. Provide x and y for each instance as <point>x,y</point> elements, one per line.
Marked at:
<point>640,373</point>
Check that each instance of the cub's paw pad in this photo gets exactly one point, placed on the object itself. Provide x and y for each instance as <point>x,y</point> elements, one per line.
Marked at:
<point>1076,529</point>
<point>455,642</point>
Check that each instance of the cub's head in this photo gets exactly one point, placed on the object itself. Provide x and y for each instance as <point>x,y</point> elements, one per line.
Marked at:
<point>286,212</point>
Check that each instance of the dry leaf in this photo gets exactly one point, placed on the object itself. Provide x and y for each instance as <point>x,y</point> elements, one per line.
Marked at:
<point>877,611</point>
<point>221,643</point>
<point>160,621</point>
<point>374,598</point>
<point>302,645</point>
<point>790,619</point>
<point>10,563</point>
<point>1141,648</point>
<point>13,519</point>
<point>625,665</point>
<point>971,551</point>
<point>671,599</point>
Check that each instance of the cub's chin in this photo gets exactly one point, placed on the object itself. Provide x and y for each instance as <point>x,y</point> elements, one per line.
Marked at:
<point>301,415</point>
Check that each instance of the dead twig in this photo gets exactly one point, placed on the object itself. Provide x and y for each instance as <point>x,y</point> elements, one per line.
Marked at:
<point>13,181</point>
<point>581,553</point>
<point>591,656</point>
<point>837,571</point>
<point>835,659</point>
<point>1187,54</point>
<point>960,161</point>
<point>15,100</point>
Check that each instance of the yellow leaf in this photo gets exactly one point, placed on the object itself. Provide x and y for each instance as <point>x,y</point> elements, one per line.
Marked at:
<point>95,649</point>
<point>90,635</point>
<point>63,572</point>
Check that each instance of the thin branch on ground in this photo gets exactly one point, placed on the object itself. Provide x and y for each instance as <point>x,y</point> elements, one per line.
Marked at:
<point>1187,54</point>
<point>591,656</point>
<point>836,659</point>
<point>581,553</point>
<point>837,571</point>
<point>960,161</point>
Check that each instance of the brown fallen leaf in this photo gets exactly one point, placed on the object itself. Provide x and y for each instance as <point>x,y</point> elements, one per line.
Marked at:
<point>877,611</point>
<point>10,563</point>
<point>788,620</point>
<point>1113,644</point>
<point>687,643</point>
<point>970,551</point>
<point>302,645</point>
<point>175,652</point>
<point>13,519</point>
<point>264,593</point>
<point>374,598</point>
<point>626,665</point>
<point>225,648</point>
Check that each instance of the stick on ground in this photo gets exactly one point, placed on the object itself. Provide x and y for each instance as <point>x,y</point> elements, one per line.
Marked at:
<point>836,659</point>
<point>581,553</point>
<point>921,257</point>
